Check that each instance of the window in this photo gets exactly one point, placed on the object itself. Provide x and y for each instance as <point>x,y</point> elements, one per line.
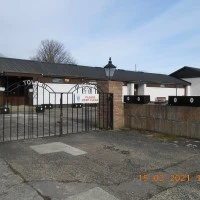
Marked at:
<point>57,80</point>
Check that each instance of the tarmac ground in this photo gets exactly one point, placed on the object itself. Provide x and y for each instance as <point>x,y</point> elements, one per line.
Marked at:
<point>101,165</point>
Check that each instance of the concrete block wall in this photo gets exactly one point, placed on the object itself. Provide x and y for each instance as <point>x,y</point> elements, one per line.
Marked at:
<point>175,120</point>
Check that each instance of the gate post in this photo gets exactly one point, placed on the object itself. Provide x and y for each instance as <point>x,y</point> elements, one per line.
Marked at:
<point>115,87</point>
<point>86,118</point>
<point>61,114</point>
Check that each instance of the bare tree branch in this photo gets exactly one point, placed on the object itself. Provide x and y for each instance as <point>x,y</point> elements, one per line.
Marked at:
<point>54,52</point>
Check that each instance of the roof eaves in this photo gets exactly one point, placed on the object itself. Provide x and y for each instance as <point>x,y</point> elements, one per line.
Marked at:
<point>7,72</point>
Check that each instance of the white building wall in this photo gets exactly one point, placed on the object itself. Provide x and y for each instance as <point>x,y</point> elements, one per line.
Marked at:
<point>142,89</point>
<point>46,96</point>
<point>124,91</point>
<point>130,88</point>
<point>188,88</point>
<point>154,92</point>
<point>163,92</point>
<point>60,87</point>
<point>195,86</point>
<point>127,90</point>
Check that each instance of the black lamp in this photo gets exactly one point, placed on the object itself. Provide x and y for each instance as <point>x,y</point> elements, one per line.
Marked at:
<point>110,69</point>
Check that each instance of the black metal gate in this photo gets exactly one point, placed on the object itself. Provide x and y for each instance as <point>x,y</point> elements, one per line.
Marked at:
<point>30,109</point>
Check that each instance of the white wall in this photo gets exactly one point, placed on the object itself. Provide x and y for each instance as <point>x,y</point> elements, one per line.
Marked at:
<point>153,91</point>
<point>195,86</point>
<point>142,89</point>
<point>124,91</point>
<point>163,92</point>
<point>130,88</point>
<point>60,87</point>
<point>188,89</point>
<point>46,96</point>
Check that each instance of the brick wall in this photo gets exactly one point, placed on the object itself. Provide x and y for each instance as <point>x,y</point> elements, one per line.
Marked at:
<point>175,120</point>
<point>115,87</point>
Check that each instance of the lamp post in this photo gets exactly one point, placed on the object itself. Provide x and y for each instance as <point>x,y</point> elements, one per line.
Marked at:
<point>109,69</point>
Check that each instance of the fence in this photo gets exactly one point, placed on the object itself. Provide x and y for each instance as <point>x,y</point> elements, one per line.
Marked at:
<point>175,120</point>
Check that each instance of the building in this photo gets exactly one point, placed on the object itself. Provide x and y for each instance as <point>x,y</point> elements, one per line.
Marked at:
<point>191,75</point>
<point>155,85</point>
<point>62,77</point>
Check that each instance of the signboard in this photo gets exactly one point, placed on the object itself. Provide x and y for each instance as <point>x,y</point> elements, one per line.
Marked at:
<point>57,80</point>
<point>86,98</point>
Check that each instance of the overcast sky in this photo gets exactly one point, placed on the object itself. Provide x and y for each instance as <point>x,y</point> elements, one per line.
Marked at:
<point>159,36</point>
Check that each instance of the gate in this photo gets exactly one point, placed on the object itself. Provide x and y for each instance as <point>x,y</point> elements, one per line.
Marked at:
<point>30,109</point>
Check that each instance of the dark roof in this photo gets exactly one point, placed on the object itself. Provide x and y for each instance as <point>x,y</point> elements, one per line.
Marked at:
<point>78,71</point>
<point>143,77</point>
<point>186,72</point>
<point>49,69</point>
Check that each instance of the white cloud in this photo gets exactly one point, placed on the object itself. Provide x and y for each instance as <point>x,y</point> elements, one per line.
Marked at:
<point>141,46</point>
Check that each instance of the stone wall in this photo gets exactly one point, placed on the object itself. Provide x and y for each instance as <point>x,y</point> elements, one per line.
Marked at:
<point>175,120</point>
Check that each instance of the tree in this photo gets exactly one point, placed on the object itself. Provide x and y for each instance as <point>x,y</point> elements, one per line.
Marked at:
<point>1,55</point>
<point>53,52</point>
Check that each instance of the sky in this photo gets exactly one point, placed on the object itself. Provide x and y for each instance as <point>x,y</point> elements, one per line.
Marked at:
<point>158,36</point>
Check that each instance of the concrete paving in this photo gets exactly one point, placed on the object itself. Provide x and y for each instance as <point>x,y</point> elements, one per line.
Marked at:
<point>93,194</point>
<point>119,165</point>
<point>12,186</point>
<point>55,147</point>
